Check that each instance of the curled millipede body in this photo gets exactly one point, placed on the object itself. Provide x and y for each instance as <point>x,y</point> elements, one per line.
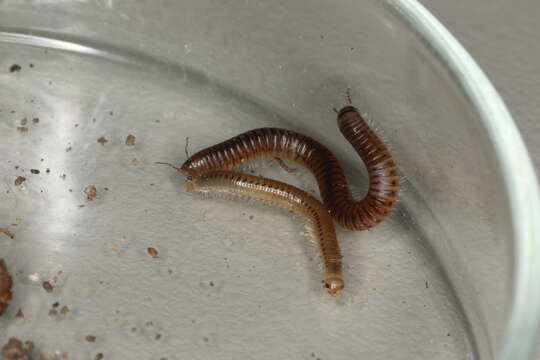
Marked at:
<point>5,287</point>
<point>347,211</point>
<point>285,196</point>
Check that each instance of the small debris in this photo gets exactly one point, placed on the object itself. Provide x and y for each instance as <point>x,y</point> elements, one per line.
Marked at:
<point>211,283</point>
<point>19,315</point>
<point>68,149</point>
<point>15,68</point>
<point>250,217</point>
<point>6,282</point>
<point>34,171</point>
<point>102,140</point>
<point>157,337</point>
<point>35,120</point>
<point>22,129</point>
<point>130,140</point>
<point>427,285</point>
<point>99,356</point>
<point>135,162</point>
<point>24,121</point>
<point>90,192</point>
<point>48,286</point>
<point>205,340</point>
<point>48,170</point>
<point>53,313</point>
<point>90,338</point>
<point>111,113</point>
<point>19,180</point>
<point>152,252</point>
<point>65,310</point>
<point>7,233</point>
<point>15,350</point>
<point>31,65</point>
<point>56,304</point>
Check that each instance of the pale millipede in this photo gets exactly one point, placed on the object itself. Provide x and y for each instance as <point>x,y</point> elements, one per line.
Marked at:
<point>347,211</point>
<point>285,196</point>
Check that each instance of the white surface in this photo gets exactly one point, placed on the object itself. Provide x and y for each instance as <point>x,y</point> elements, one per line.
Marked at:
<point>503,37</point>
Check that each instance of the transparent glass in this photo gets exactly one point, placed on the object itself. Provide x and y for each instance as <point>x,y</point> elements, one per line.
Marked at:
<point>449,275</point>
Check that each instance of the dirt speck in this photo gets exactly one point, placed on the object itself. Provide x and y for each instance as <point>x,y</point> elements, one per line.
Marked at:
<point>65,310</point>
<point>22,129</point>
<point>56,304</point>
<point>135,162</point>
<point>14,349</point>
<point>250,217</point>
<point>130,140</point>
<point>15,68</point>
<point>19,315</point>
<point>205,340</point>
<point>102,141</point>
<point>91,192</point>
<point>34,171</point>
<point>90,338</point>
<point>211,283</point>
<point>53,313</point>
<point>152,252</point>
<point>6,282</point>
<point>69,148</point>
<point>19,180</point>
<point>35,120</point>
<point>99,356</point>
<point>24,121</point>
<point>157,337</point>
<point>7,233</point>
<point>48,286</point>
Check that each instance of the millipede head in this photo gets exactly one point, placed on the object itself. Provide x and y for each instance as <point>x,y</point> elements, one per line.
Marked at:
<point>334,285</point>
<point>346,109</point>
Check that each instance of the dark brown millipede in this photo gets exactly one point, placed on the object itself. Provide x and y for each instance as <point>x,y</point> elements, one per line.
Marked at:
<point>285,196</point>
<point>348,212</point>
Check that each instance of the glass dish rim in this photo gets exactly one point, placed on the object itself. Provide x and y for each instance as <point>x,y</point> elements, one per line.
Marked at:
<point>518,173</point>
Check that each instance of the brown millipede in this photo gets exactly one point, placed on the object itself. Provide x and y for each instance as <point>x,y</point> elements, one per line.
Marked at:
<point>285,196</point>
<point>350,213</point>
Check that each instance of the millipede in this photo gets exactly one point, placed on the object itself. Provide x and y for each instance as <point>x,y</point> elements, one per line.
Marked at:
<point>352,214</point>
<point>285,196</point>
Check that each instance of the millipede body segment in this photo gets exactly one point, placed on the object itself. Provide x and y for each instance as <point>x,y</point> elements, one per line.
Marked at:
<point>334,188</point>
<point>285,196</point>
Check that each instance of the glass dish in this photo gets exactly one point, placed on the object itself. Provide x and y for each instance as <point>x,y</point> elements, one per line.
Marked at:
<point>452,274</point>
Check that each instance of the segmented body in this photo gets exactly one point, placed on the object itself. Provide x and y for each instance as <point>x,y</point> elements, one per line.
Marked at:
<point>285,196</point>
<point>334,188</point>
